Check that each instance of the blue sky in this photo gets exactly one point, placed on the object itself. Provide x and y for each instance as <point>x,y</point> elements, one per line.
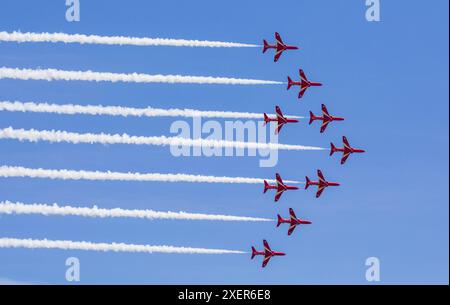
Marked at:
<point>389,79</point>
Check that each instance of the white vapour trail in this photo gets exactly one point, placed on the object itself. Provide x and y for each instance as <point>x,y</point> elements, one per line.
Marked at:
<point>63,174</point>
<point>116,40</point>
<point>54,74</point>
<point>105,247</point>
<point>56,136</point>
<point>7,207</point>
<point>71,109</point>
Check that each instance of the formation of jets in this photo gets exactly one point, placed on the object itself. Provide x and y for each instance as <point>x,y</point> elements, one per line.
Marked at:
<point>281,120</point>
<point>280,187</point>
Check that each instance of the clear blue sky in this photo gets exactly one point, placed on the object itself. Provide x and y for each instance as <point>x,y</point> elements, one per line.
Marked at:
<point>389,79</point>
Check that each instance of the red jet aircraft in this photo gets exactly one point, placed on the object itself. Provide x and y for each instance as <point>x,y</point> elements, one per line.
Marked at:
<point>326,118</point>
<point>279,47</point>
<point>293,221</point>
<point>321,184</point>
<point>280,119</point>
<point>280,187</point>
<point>267,253</point>
<point>347,150</point>
<point>304,83</point>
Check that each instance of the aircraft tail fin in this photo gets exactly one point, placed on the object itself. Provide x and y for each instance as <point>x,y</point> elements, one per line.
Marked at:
<point>280,220</point>
<point>333,149</point>
<point>266,46</point>
<point>266,119</point>
<point>254,253</point>
<point>266,186</point>
<point>290,83</point>
<point>308,183</point>
<point>312,117</point>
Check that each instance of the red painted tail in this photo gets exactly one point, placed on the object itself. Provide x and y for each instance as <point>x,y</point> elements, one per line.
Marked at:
<point>266,46</point>
<point>290,83</point>
<point>280,220</point>
<point>253,252</point>
<point>266,186</point>
<point>333,149</point>
<point>308,183</point>
<point>312,117</point>
<point>266,119</point>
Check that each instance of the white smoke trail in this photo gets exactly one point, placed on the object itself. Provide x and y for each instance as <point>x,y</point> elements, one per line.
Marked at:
<point>56,136</point>
<point>105,247</point>
<point>116,40</point>
<point>54,74</point>
<point>7,207</point>
<point>63,174</point>
<point>71,109</point>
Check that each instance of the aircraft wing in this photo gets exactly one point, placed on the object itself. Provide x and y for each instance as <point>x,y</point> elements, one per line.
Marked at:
<point>278,38</point>
<point>279,180</point>
<point>320,175</point>
<point>325,110</point>
<point>277,55</point>
<point>303,75</point>
<point>345,157</point>
<point>278,195</point>
<point>266,246</point>
<point>291,229</point>
<point>279,113</point>
<point>346,143</point>
<point>265,261</point>
<point>280,125</point>
<point>320,191</point>
<point>292,213</point>
<point>324,126</point>
<point>302,91</point>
